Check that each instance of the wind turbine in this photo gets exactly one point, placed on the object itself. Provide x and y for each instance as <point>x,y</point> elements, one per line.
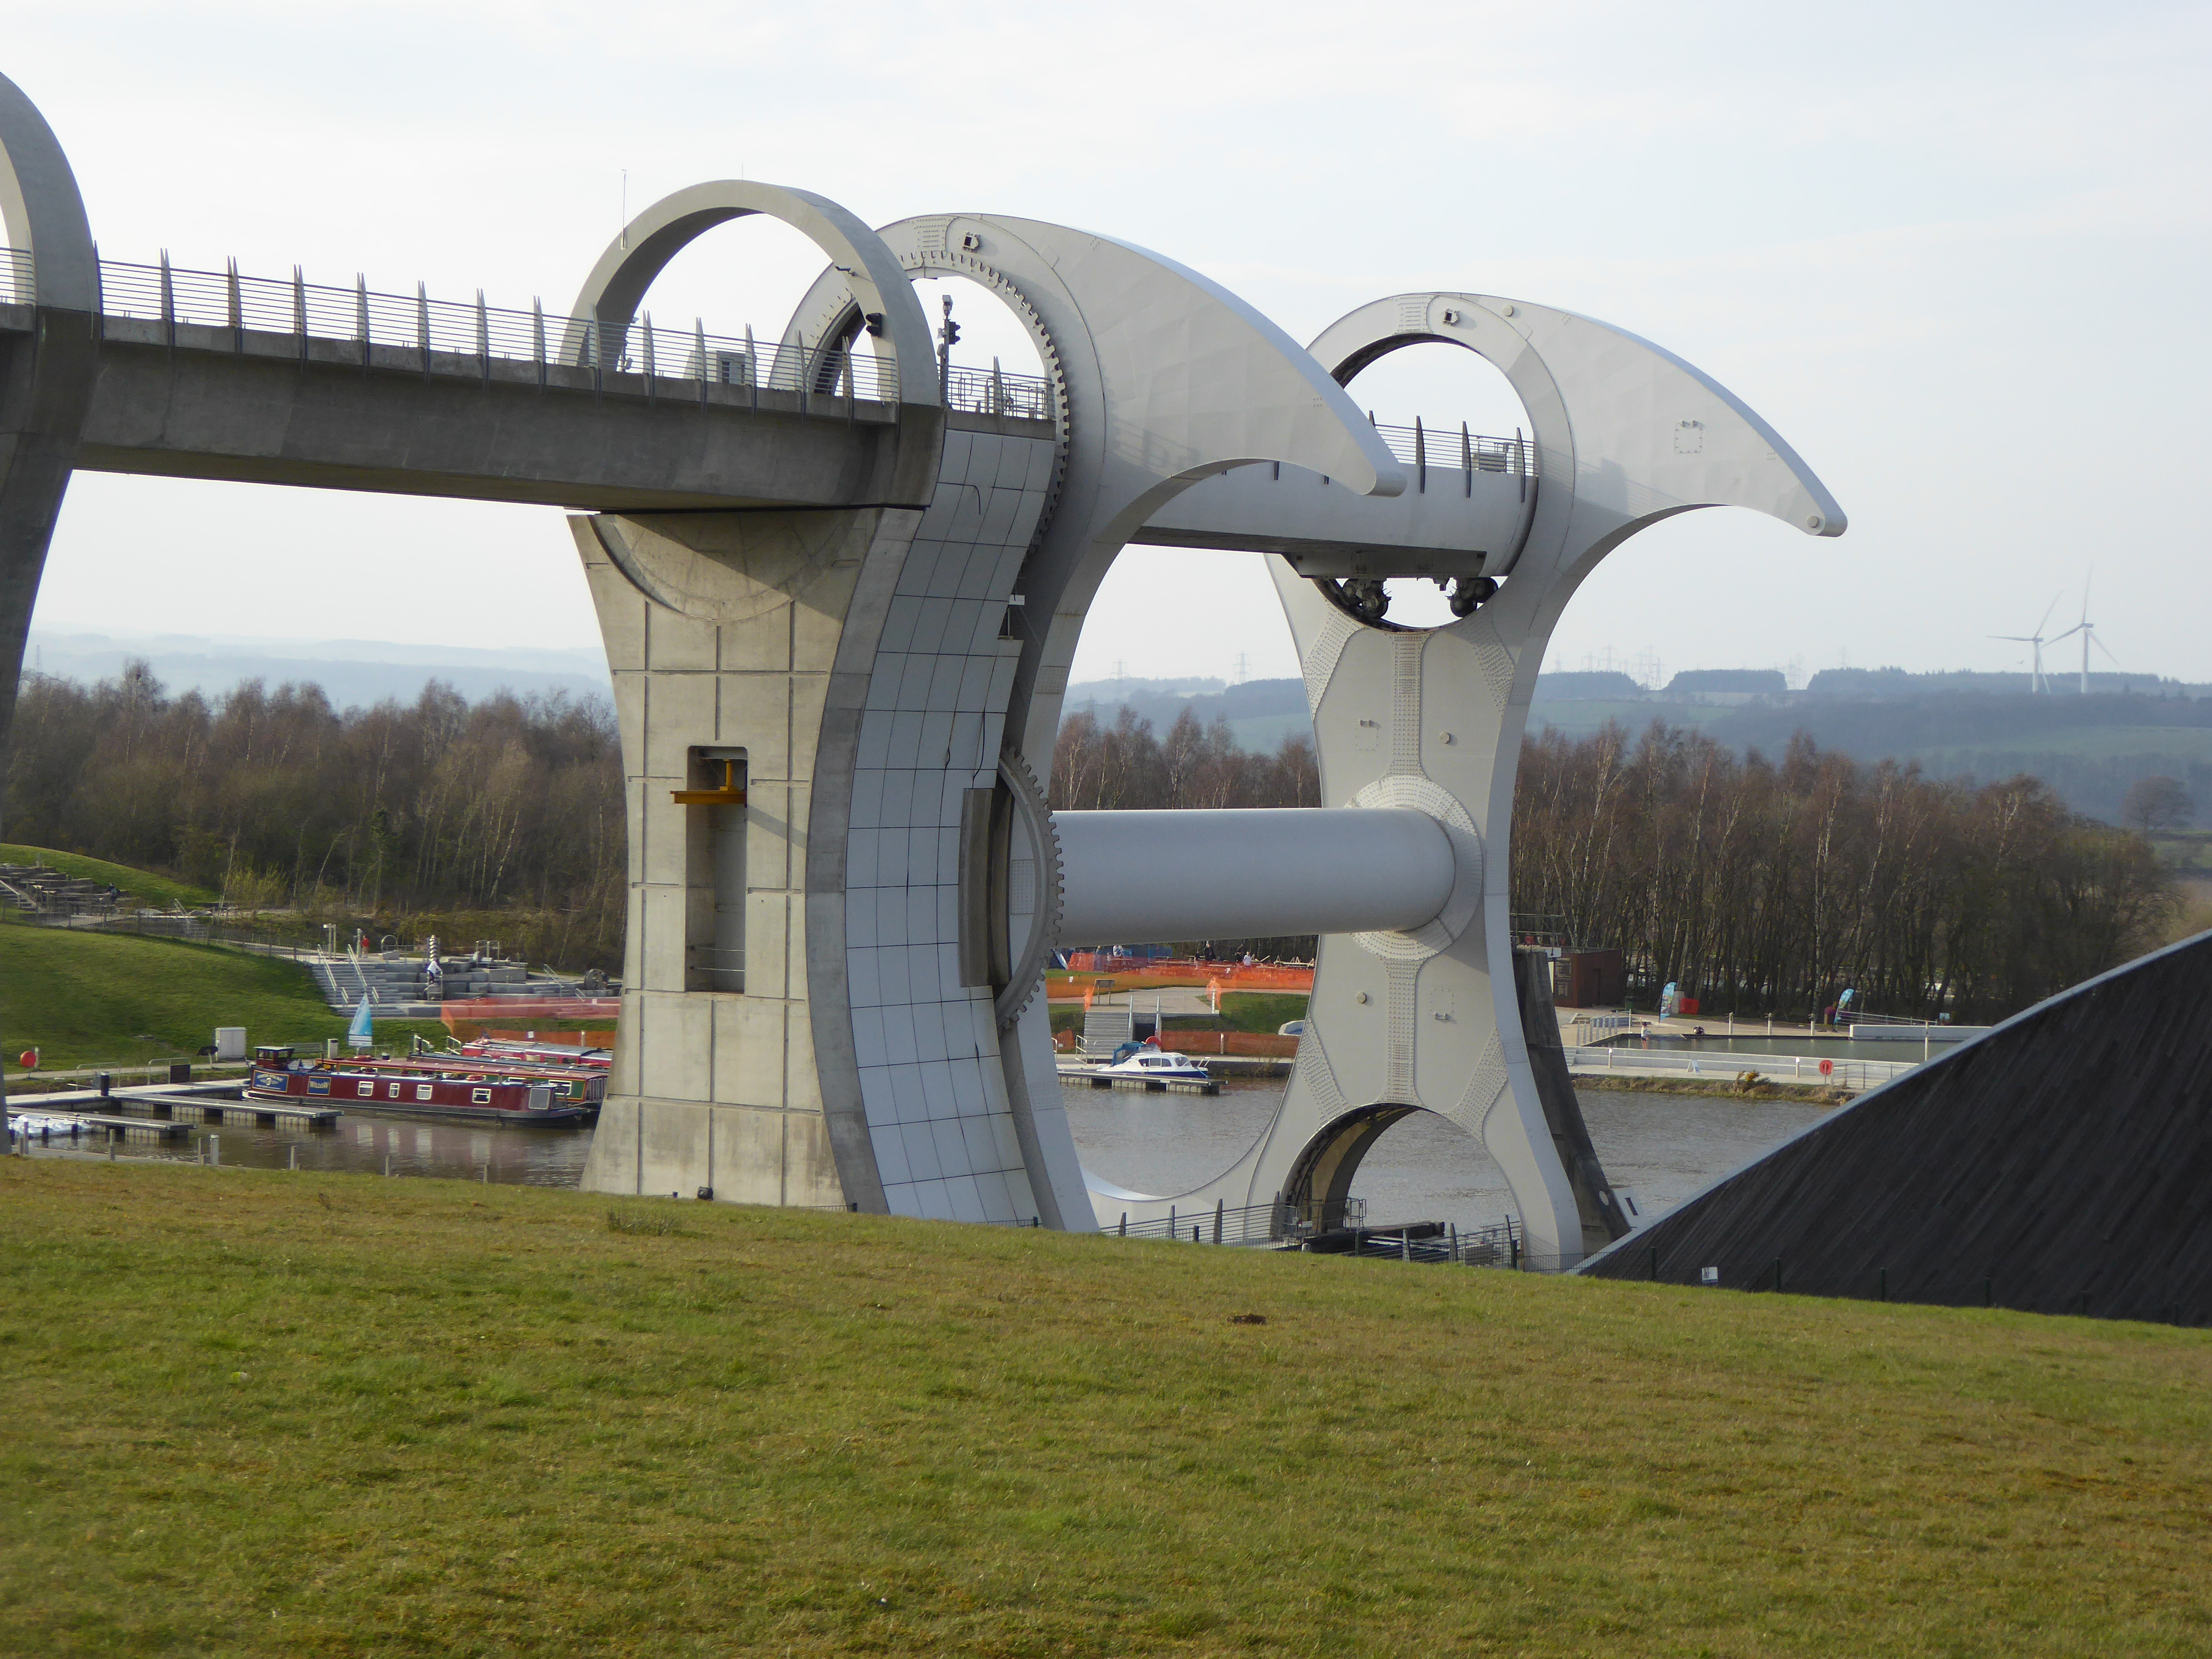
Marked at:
<point>2035,680</point>
<point>2088,630</point>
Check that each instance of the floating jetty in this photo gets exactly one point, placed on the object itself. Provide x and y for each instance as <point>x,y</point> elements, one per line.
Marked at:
<point>182,1103</point>
<point>46,1127</point>
<point>303,1115</point>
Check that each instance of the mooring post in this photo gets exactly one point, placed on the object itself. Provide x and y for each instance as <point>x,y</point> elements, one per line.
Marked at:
<point>387,1166</point>
<point>1217,1220</point>
<point>1125,1224</point>
<point>214,1151</point>
<point>292,1157</point>
<point>485,1179</point>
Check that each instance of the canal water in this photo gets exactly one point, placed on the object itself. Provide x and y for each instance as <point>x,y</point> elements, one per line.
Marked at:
<point>548,1155</point>
<point>1662,1147</point>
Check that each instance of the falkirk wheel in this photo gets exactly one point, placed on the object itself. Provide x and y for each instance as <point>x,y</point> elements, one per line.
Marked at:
<point>890,680</point>
<point>839,649</point>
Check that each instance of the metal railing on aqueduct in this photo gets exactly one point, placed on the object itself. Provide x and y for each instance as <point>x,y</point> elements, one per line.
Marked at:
<point>474,331</point>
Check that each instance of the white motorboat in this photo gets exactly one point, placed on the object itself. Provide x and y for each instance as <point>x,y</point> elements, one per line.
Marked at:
<point>1157,1065</point>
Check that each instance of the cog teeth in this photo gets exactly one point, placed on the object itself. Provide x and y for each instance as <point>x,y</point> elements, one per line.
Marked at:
<point>1012,1002</point>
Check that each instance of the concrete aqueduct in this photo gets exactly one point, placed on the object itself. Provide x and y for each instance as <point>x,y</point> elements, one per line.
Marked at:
<point>840,588</point>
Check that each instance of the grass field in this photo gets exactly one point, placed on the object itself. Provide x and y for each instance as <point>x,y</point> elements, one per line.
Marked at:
<point>159,890</point>
<point>87,999</point>
<point>259,1413</point>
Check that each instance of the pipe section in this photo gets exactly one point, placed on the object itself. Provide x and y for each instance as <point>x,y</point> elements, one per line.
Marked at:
<point>1130,878</point>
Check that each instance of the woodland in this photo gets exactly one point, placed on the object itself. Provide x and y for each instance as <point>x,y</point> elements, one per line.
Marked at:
<point>1758,884</point>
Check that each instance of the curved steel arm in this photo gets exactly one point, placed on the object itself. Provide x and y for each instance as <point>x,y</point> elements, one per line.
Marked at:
<point>40,208</point>
<point>1635,432</point>
<point>626,268</point>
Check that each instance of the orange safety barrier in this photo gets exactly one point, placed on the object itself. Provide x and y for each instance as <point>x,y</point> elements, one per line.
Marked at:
<point>1233,977</point>
<point>481,1009</point>
<point>468,1030</point>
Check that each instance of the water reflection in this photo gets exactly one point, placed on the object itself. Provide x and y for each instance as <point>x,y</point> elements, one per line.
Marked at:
<point>530,1155</point>
<point>1426,1168</point>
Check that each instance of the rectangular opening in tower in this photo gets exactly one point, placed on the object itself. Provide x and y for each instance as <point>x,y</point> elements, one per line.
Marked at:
<point>714,802</point>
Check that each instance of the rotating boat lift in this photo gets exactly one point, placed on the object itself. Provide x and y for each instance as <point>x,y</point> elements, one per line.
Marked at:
<point>838,693</point>
<point>937,883</point>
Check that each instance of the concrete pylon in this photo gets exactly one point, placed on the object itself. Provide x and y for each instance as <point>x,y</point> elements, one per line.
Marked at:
<point>45,377</point>
<point>46,374</point>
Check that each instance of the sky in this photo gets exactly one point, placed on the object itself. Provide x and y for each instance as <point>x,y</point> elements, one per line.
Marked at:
<point>1956,253</point>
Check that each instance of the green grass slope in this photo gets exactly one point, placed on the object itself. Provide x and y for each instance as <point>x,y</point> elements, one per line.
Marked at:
<point>260,1413</point>
<point>85,998</point>
<point>159,891</point>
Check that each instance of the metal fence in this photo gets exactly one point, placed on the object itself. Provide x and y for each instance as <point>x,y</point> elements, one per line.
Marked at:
<point>1344,1223</point>
<point>1422,444</point>
<point>1630,1060</point>
<point>995,391</point>
<point>477,333</point>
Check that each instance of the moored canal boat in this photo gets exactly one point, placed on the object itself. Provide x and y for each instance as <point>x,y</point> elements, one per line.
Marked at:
<point>441,1086</point>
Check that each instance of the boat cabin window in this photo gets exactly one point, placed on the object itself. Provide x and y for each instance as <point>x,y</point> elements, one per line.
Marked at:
<point>480,1096</point>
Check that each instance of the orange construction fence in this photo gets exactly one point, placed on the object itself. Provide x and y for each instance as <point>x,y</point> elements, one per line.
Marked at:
<point>1164,974</point>
<point>468,1030</point>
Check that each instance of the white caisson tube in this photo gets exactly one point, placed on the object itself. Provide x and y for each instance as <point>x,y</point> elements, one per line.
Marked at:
<point>1139,878</point>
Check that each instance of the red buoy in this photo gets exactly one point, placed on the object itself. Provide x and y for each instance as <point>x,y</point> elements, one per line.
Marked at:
<point>29,1059</point>
<point>1826,1067</point>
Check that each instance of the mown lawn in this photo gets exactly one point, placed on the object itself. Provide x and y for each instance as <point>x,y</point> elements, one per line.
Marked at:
<point>143,884</point>
<point>261,1413</point>
<point>88,999</point>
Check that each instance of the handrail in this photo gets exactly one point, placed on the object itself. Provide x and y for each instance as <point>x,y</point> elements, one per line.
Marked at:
<point>1454,448</point>
<point>479,334</point>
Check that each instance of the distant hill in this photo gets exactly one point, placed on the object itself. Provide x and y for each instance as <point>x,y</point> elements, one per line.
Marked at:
<point>1731,682</point>
<point>353,673</point>
<point>1982,726</point>
<point>1896,683</point>
<point>1260,713</point>
<point>1584,685</point>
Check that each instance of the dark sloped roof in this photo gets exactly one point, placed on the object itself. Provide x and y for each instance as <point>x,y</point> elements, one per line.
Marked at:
<point>2064,1159</point>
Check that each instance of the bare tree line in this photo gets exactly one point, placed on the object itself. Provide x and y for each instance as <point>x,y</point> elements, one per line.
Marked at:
<point>276,799</point>
<point>1758,886</point>
<point>1764,886</point>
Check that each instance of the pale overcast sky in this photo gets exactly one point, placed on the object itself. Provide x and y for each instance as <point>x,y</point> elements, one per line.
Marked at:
<point>1956,254</point>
